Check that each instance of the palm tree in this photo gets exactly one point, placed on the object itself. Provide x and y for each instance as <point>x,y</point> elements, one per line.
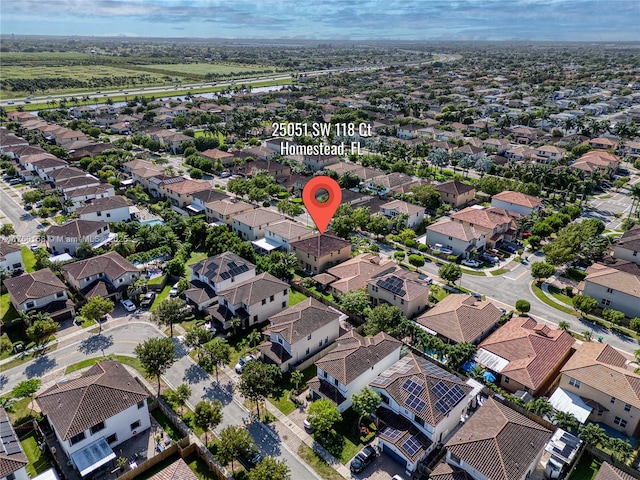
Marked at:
<point>563,325</point>
<point>565,421</point>
<point>592,434</point>
<point>540,407</point>
<point>235,323</point>
<point>620,449</point>
<point>297,377</point>
<point>254,337</point>
<point>634,193</point>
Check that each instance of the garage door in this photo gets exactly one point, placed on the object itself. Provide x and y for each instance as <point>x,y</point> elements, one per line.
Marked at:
<point>394,455</point>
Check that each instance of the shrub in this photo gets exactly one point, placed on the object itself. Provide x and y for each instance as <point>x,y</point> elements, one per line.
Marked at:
<point>416,260</point>
<point>266,204</point>
<point>452,258</point>
<point>410,243</point>
<point>367,438</point>
<point>396,238</point>
<point>523,306</point>
<point>195,173</point>
<point>374,247</point>
<point>635,324</point>
<point>398,255</point>
<point>422,247</point>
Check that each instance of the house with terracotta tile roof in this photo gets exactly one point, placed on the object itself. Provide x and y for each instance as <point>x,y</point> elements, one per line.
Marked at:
<point>603,143</point>
<point>525,354</point>
<point>252,225</point>
<point>461,318</point>
<point>215,154</point>
<point>94,413</point>
<point>461,238</point>
<point>321,251</point>
<point>141,171</point>
<point>13,461</point>
<point>628,246</point>
<point>424,395</point>
<point>354,273</point>
<point>36,291</point>
<point>609,472</point>
<point>106,276</point>
<point>549,153</point>
<point>516,202</point>
<point>456,193</point>
<point>400,288</point>
<point>300,332</point>
<point>606,386</point>
<point>596,161</point>
<point>444,471</point>
<point>497,443</point>
<point>67,237</point>
<point>180,193</point>
<point>178,470</point>
<point>614,285</point>
<point>351,365</point>
<point>224,210</point>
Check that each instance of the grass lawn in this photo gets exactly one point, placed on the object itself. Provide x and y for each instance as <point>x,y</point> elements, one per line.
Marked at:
<point>159,280</point>
<point>282,401</point>
<point>201,133</point>
<point>193,258</point>
<point>204,68</point>
<point>537,291</point>
<point>343,442</point>
<point>557,294</point>
<point>574,274</point>
<point>21,412</point>
<point>328,296</point>
<point>38,463</point>
<point>7,310</point>
<point>438,292</point>
<point>296,297</point>
<point>322,468</point>
<point>478,273</point>
<point>587,468</point>
<point>131,361</point>
<point>160,297</point>
<point>166,424</point>
<point>499,271</point>
<point>28,258</point>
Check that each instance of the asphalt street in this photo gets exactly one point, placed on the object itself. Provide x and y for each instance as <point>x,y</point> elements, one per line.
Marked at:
<point>122,340</point>
<point>26,225</point>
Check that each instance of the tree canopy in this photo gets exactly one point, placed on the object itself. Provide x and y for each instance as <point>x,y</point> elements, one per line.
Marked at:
<point>323,414</point>
<point>156,355</point>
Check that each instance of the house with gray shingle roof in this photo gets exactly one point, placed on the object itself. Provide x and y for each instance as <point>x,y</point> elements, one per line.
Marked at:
<point>222,271</point>
<point>96,412</point>
<point>352,364</point>
<point>497,443</point>
<point>300,332</point>
<point>34,291</point>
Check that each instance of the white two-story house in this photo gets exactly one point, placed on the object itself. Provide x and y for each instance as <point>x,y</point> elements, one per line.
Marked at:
<point>106,276</point>
<point>300,332</point>
<point>279,235</point>
<point>222,271</point>
<point>251,225</point>
<point>628,246</point>
<point>66,238</point>
<point>35,291</point>
<point>414,213</point>
<point>93,414</point>
<point>11,257</point>
<point>253,301</point>
<point>108,209</point>
<point>353,363</point>
<point>423,397</point>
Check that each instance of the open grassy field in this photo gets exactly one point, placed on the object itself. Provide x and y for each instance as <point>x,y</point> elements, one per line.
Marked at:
<point>79,72</point>
<point>204,68</point>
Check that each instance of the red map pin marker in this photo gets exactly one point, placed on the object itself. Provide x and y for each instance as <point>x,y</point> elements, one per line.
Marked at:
<point>321,212</point>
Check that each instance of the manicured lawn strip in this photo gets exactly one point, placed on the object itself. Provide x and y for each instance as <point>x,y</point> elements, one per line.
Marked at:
<point>160,297</point>
<point>478,273</point>
<point>38,463</point>
<point>296,297</point>
<point>537,291</point>
<point>438,292</point>
<point>342,442</point>
<point>166,424</point>
<point>281,401</point>
<point>20,411</point>
<point>193,258</point>
<point>499,271</point>
<point>200,468</point>
<point>7,310</point>
<point>558,295</point>
<point>587,468</point>
<point>316,462</point>
<point>18,361</point>
<point>159,280</point>
<point>28,258</point>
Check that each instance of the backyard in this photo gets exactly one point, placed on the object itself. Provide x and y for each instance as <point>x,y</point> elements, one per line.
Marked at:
<point>281,399</point>
<point>38,462</point>
<point>586,469</point>
<point>343,442</point>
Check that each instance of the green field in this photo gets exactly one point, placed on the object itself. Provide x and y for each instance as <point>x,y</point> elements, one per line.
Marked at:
<point>83,72</point>
<point>204,68</point>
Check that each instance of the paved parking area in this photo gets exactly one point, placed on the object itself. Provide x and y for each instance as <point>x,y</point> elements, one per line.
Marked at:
<point>383,468</point>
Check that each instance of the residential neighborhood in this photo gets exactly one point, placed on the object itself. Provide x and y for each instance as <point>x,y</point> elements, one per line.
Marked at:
<point>171,309</point>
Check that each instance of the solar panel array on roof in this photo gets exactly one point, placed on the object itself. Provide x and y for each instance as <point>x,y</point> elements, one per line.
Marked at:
<point>416,403</point>
<point>391,433</point>
<point>392,284</point>
<point>430,368</point>
<point>9,442</point>
<point>411,446</point>
<point>234,269</point>
<point>440,389</point>
<point>411,386</point>
<point>450,399</point>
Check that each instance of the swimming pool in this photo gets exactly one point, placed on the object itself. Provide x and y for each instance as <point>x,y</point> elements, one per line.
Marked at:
<point>155,221</point>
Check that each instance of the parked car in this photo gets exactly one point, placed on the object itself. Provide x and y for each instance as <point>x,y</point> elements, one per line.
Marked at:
<point>468,262</point>
<point>397,477</point>
<point>225,174</point>
<point>28,207</point>
<point>442,249</point>
<point>251,458</point>
<point>34,247</point>
<point>476,295</point>
<point>362,459</point>
<point>148,299</point>
<point>174,291</point>
<point>128,305</point>
<point>242,362</point>
<point>307,425</point>
<point>426,279</point>
<point>487,257</point>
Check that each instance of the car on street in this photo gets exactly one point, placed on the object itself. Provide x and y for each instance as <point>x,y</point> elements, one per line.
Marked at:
<point>251,458</point>
<point>225,174</point>
<point>174,291</point>
<point>147,299</point>
<point>242,362</point>
<point>128,305</point>
<point>362,459</point>
<point>28,207</point>
<point>468,262</point>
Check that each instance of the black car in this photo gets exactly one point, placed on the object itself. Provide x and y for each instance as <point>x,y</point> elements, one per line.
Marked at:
<point>363,458</point>
<point>148,299</point>
<point>250,459</point>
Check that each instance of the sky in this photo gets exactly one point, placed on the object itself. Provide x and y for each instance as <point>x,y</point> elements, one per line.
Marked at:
<point>491,20</point>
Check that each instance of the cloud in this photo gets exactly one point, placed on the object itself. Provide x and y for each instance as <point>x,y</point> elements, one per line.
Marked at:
<point>365,19</point>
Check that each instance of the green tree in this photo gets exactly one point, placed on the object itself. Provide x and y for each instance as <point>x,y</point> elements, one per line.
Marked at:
<point>258,381</point>
<point>613,316</point>
<point>175,266</point>
<point>620,449</point>
<point>354,301</point>
<point>635,324</point>
<point>207,415</point>
<point>416,260</point>
<point>542,270</point>
<point>235,323</point>
<point>365,403</point>
<point>182,394</point>
<point>85,250</point>
<point>540,407</point>
<point>564,325</point>
<point>382,318</point>
<point>254,337</point>
<point>234,441</point>
<point>95,309</point>
<point>565,421</point>
<point>270,469</point>
<point>170,311</point>
<point>40,331</point>
<point>26,389</point>
<point>215,354</point>
<point>196,338</point>
<point>156,355</point>
<point>323,414</point>
<point>584,304</point>
<point>378,225</point>
<point>297,377</point>
<point>523,306</point>
<point>592,434</point>
<point>450,272</point>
